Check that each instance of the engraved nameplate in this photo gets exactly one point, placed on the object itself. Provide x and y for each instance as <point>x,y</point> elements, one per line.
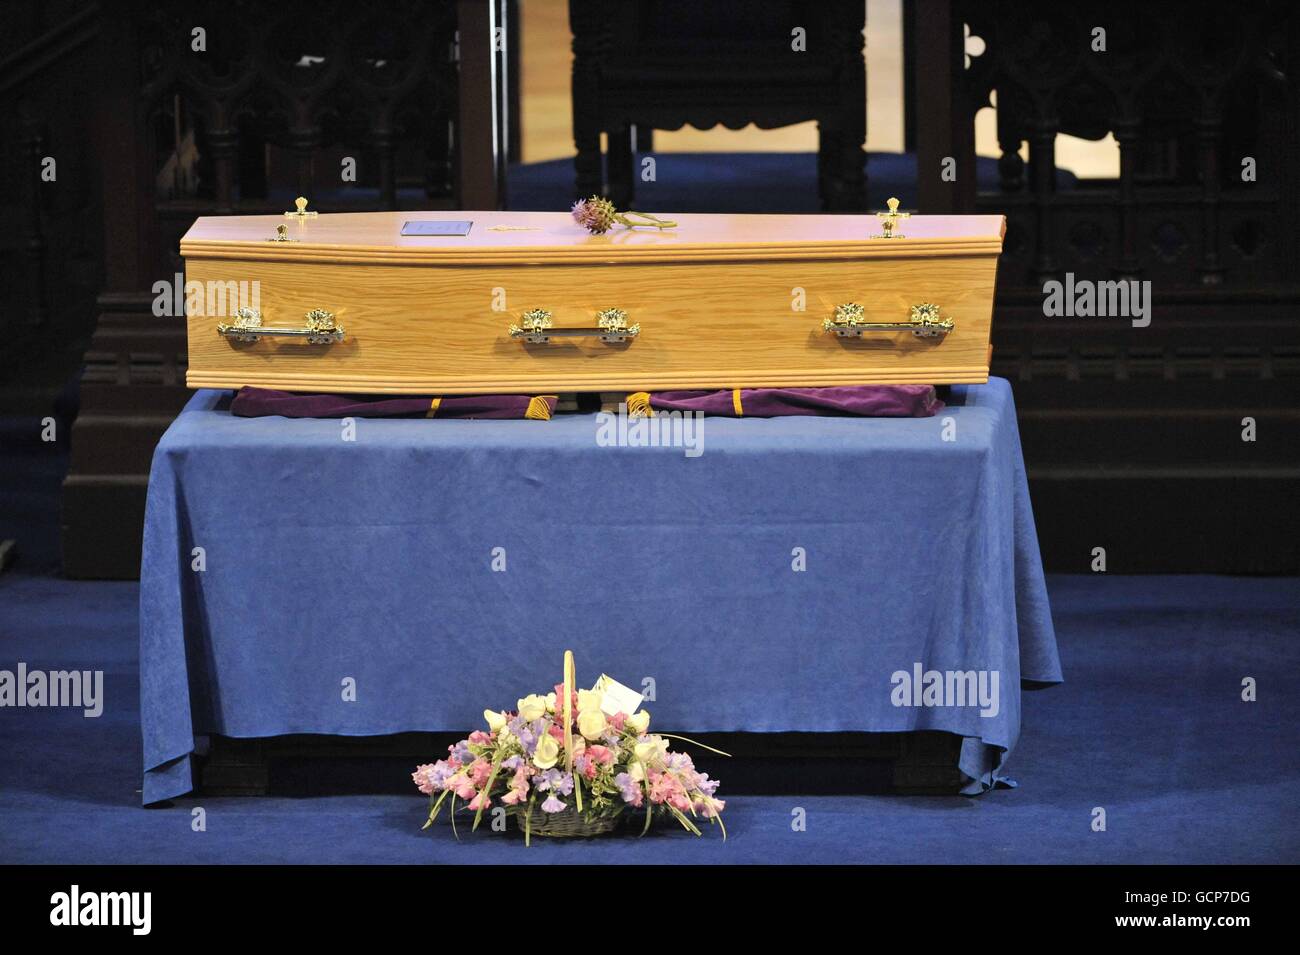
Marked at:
<point>437,227</point>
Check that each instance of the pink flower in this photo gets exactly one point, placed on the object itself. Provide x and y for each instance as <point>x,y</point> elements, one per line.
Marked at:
<point>617,721</point>
<point>708,807</point>
<point>479,771</point>
<point>518,787</point>
<point>481,801</point>
<point>601,754</point>
<point>480,738</point>
<point>461,785</point>
<point>665,787</point>
<point>559,702</point>
<point>423,778</point>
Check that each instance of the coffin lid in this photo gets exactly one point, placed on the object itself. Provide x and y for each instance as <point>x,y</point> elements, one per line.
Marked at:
<point>553,237</point>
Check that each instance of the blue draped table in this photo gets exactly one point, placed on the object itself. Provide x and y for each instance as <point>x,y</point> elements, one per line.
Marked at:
<point>369,563</point>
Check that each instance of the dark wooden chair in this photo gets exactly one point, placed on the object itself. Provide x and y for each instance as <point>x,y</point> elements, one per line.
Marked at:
<point>661,64</point>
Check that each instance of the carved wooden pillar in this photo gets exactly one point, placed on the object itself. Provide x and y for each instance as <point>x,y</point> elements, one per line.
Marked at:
<point>620,163</point>
<point>34,145</point>
<point>588,50</point>
<point>482,153</point>
<point>1209,137</point>
<point>943,127</point>
<point>1042,160</point>
<point>223,140</point>
<point>381,141</point>
<point>1011,168</point>
<point>1127,130</point>
<point>304,140</point>
<point>122,416</point>
<point>845,188</point>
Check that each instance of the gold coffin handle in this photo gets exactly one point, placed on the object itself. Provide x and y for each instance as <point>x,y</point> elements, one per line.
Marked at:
<point>924,321</point>
<point>535,327</point>
<point>319,328</point>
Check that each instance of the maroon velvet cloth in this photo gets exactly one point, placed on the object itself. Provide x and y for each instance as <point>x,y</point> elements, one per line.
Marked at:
<point>867,401</point>
<point>259,402</point>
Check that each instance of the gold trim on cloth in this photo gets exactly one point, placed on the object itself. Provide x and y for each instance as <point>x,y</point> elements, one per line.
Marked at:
<point>539,409</point>
<point>433,408</point>
<point>638,405</point>
<point>735,403</point>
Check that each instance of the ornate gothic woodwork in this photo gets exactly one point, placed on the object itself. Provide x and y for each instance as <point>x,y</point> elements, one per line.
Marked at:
<point>1135,433</point>
<point>151,131</point>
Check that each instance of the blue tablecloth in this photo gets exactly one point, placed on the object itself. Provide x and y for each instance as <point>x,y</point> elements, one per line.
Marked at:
<point>330,564</point>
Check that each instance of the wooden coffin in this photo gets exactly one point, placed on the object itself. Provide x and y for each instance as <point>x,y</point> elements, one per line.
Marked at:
<point>529,302</point>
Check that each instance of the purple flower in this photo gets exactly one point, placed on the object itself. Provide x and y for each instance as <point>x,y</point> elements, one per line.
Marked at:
<point>527,733</point>
<point>596,215</point>
<point>681,763</point>
<point>552,804</point>
<point>706,785</point>
<point>628,786</point>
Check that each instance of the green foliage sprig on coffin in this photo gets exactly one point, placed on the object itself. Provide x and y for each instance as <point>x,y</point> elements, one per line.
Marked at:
<point>572,763</point>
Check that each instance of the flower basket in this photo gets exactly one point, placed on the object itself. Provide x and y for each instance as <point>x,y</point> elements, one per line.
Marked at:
<point>568,823</point>
<point>572,764</point>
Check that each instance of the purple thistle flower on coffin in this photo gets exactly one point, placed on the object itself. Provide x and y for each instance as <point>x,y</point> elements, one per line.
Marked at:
<point>552,804</point>
<point>596,215</point>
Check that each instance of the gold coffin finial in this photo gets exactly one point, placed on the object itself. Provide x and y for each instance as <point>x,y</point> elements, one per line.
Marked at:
<point>888,220</point>
<point>301,205</point>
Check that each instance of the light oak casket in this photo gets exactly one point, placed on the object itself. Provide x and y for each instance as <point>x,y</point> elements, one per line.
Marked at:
<point>530,302</point>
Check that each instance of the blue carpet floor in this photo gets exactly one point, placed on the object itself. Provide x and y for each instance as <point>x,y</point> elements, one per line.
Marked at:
<point>1148,726</point>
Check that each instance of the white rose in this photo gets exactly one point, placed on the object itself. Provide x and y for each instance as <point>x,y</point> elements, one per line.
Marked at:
<point>550,702</point>
<point>591,723</point>
<point>589,700</point>
<point>653,751</point>
<point>495,720</point>
<point>547,752</point>
<point>532,707</point>
<point>639,722</point>
<point>636,771</point>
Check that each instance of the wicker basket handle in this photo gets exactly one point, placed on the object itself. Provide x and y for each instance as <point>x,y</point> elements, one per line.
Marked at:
<point>570,684</point>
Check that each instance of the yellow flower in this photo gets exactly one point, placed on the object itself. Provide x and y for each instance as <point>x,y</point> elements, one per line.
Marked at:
<point>589,700</point>
<point>547,752</point>
<point>494,719</point>
<point>639,721</point>
<point>550,702</point>
<point>591,723</point>
<point>636,771</point>
<point>532,707</point>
